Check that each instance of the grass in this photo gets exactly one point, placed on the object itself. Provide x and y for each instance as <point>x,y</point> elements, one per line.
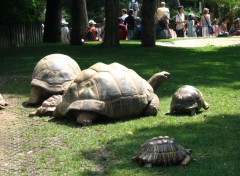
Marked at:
<point>60,147</point>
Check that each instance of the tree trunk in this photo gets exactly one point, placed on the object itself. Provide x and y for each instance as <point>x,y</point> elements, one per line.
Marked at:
<point>148,22</point>
<point>111,38</point>
<point>176,3</point>
<point>79,21</point>
<point>52,25</point>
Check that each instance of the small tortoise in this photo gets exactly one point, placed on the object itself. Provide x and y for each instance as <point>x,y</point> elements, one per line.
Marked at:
<point>52,75</point>
<point>187,100</point>
<point>110,90</point>
<point>3,103</point>
<point>162,151</point>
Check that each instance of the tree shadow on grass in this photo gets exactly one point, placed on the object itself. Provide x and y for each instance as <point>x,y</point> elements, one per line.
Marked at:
<point>214,142</point>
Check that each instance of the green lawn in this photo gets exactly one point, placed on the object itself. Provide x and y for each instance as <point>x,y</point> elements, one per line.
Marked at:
<point>60,147</point>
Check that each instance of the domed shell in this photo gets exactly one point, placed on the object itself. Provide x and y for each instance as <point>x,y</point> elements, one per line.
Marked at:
<point>112,90</point>
<point>161,151</point>
<point>186,98</point>
<point>55,72</point>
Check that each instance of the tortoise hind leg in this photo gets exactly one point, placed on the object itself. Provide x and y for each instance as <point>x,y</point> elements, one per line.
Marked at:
<point>85,118</point>
<point>152,108</point>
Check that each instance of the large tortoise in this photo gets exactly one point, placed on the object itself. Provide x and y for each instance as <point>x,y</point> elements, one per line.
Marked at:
<point>3,103</point>
<point>162,151</point>
<point>110,90</point>
<point>187,100</point>
<point>52,75</point>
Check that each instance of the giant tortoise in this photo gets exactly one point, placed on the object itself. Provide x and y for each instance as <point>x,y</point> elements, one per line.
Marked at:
<point>110,90</point>
<point>52,75</point>
<point>187,100</point>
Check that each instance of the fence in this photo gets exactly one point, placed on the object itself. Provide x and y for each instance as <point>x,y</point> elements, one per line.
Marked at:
<point>20,34</point>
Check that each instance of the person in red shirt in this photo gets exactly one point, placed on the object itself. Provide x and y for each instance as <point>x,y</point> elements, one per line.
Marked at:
<point>122,30</point>
<point>91,32</point>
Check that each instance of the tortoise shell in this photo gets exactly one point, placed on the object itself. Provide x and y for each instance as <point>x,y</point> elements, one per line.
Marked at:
<point>111,90</point>
<point>161,151</point>
<point>187,99</point>
<point>55,72</point>
<point>3,103</point>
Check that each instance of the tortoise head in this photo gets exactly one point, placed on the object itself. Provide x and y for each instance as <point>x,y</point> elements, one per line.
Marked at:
<point>158,78</point>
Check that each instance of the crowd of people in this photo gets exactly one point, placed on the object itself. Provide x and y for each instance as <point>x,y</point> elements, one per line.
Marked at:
<point>190,26</point>
<point>184,25</point>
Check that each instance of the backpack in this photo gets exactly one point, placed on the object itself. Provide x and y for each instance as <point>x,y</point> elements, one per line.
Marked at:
<point>133,6</point>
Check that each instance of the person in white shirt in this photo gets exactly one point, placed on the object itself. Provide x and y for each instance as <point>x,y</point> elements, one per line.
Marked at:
<point>133,4</point>
<point>180,21</point>
<point>124,14</point>
<point>65,35</point>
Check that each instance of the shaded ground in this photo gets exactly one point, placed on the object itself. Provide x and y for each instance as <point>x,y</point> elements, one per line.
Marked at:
<point>201,42</point>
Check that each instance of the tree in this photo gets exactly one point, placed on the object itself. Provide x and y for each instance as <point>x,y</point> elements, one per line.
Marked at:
<point>79,21</point>
<point>148,22</point>
<point>52,25</point>
<point>111,38</point>
<point>19,11</point>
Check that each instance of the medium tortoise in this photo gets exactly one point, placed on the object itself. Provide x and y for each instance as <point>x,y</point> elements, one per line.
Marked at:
<point>3,103</point>
<point>52,75</point>
<point>162,151</point>
<point>110,90</point>
<point>187,100</point>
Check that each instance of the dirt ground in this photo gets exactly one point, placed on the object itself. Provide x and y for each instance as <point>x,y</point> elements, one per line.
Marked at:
<point>14,118</point>
<point>202,42</point>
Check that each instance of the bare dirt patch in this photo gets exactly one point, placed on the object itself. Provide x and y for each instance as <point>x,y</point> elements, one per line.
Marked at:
<point>10,136</point>
<point>202,42</point>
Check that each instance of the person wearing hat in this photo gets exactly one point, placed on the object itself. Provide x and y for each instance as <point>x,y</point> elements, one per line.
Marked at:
<point>161,10</point>
<point>65,35</point>
<point>235,29</point>
<point>191,25</point>
<point>163,27</point>
<point>91,32</point>
<point>137,32</point>
<point>180,21</point>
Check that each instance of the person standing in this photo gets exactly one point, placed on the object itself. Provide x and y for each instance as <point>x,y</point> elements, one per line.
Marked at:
<point>122,29</point>
<point>65,35</point>
<point>206,22</point>
<point>124,14</point>
<point>133,4</point>
<point>191,26</point>
<point>162,10</point>
<point>180,21</point>
<point>129,22</point>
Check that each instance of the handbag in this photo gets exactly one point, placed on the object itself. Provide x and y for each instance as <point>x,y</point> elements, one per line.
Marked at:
<point>210,28</point>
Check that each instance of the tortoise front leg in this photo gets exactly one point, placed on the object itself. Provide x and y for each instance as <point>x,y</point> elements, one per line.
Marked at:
<point>193,112</point>
<point>35,96</point>
<point>152,108</point>
<point>85,118</point>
